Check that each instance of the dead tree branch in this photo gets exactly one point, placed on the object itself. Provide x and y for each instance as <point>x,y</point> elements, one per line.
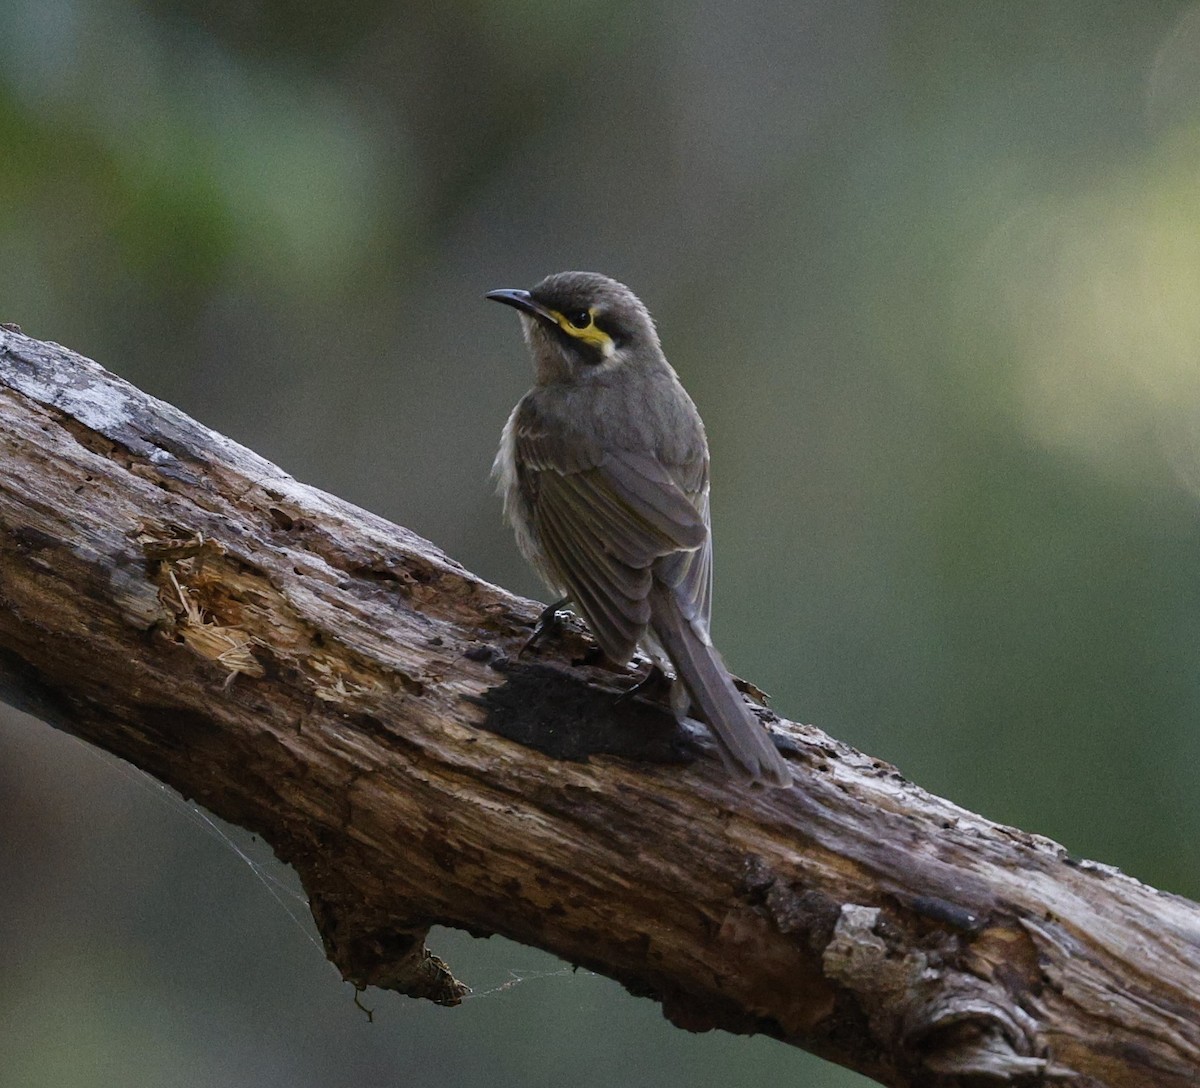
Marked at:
<point>337,685</point>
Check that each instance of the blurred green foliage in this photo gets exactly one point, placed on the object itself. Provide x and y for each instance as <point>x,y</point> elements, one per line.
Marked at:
<point>930,271</point>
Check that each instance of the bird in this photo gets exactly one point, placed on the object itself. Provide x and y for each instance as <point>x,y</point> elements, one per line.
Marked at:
<point>603,469</point>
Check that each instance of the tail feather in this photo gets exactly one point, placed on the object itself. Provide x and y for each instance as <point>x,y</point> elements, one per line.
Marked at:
<point>745,745</point>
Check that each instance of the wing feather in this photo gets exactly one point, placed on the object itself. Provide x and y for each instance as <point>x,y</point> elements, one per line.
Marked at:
<point>609,617</point>
<point>689,574</point>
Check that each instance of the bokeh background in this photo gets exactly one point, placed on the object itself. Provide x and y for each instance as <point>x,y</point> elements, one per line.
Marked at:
<point>930,269</point>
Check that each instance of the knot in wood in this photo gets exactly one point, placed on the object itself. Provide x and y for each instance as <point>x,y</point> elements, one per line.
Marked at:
<point>951,1023</point>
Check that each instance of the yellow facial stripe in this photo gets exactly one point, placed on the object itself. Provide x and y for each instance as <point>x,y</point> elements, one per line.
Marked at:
<point>589,334</point>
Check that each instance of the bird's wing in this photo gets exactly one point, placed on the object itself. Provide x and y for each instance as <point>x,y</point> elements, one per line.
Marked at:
<point>605,521</point>
<point>687,572</point>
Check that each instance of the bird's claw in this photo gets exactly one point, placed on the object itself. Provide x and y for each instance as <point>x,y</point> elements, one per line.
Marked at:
<point>653,683</point>
<point>547,623</point>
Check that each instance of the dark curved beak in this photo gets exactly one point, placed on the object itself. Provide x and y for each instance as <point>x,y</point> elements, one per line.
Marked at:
<point>523,301</point>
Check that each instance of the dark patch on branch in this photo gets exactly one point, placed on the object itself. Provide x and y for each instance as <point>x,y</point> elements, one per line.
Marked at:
<point>554,712</point>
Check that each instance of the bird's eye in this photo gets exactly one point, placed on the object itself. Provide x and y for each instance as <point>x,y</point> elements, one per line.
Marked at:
<point>581,319</point>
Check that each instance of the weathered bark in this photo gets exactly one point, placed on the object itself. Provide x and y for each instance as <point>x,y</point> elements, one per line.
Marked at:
<point>337,685</point>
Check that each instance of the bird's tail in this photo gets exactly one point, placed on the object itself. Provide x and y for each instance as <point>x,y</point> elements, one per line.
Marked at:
<point>745,745</point>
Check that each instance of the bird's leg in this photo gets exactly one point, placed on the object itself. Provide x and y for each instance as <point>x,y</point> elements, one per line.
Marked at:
<point>547,623</point>
<point>652,684</point>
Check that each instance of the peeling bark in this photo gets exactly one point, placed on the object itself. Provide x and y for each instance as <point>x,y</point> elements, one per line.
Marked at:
<point>340,687</point>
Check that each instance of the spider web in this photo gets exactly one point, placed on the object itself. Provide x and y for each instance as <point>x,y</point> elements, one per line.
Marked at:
<point>280,881</point>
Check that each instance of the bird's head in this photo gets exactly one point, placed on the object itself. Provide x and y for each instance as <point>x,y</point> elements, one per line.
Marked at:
<point>580,324</point>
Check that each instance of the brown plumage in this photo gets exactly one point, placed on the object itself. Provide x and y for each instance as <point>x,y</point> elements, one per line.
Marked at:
<point>603,466</point>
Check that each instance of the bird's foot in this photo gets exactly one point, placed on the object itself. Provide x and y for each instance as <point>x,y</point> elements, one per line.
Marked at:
<point>651,686</point>
<point>547,623</point>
